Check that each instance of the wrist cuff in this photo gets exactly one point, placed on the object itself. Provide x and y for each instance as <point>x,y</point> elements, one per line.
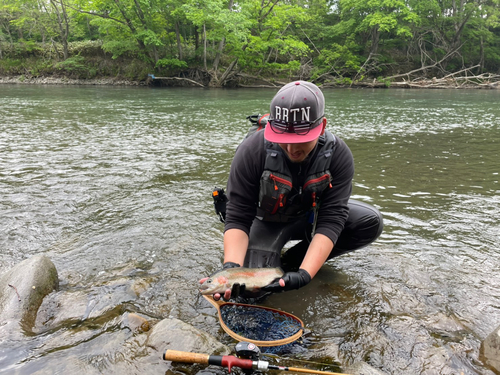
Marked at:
<point>305,275</point>
<point>230,265</point>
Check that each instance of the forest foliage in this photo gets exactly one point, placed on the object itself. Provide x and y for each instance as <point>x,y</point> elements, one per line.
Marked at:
<point>229,43</point>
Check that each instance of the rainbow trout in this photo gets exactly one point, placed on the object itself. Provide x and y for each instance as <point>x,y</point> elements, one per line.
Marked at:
<point>253,278</point>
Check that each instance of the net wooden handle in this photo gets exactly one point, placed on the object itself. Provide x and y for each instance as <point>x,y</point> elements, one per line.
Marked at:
<point>186,357</point>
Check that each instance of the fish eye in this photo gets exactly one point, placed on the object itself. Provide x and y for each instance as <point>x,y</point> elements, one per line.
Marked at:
<point>209,281</point>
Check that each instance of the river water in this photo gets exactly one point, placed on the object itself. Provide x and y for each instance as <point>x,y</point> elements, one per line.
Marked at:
<point>114,183</point>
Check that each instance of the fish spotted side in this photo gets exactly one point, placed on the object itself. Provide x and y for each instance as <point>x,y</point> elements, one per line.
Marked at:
<point>253,278</point>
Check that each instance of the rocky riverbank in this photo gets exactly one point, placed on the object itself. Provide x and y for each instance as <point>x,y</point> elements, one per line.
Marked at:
<point>68,81</point>
<point>176,81</point>
<point>31,305</point>
<point>47,321</point>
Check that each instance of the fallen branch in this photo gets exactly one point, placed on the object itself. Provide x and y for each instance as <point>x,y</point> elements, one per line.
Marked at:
<point>361,68</point>
<point>449,54</point>
<point>455,82</point>
<point>461,71</point>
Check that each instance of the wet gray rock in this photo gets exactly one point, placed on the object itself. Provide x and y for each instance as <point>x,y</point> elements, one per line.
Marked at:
<point>490,350</point>
<point>363,368</point>
<point>136,323</point>
<point>177,335</point>
<point>22,290</point>
<point>95,303</point>
<point>62,307</point>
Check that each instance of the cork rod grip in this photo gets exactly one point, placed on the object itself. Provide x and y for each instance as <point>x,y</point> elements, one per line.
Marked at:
<point>186,357</point>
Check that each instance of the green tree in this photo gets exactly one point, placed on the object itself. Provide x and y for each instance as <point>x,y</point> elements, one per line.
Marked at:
<point>366,23</point>
<point>120,25</point>
<point>62,20</point>
<point>268,40</point>
<point>227,41</point>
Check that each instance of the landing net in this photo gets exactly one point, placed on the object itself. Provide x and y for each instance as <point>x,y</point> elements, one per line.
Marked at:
<point>272,329</point>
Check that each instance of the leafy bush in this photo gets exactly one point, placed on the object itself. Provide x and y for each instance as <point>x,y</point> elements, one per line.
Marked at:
<point>40,67</point>
<point>74,66</point>
<point>171,64</point>
<point>339,59</point>
<point>27,48</point>
<point>135,70</point>
<point>86,48</point>
<point>120,48</point>
<point>343,81</point>
<point>282,70</point>
<point>7,65</point>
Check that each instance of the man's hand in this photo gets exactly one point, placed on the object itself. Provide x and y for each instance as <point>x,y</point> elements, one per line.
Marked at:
<point>232,292</point>
<point>289,281</point>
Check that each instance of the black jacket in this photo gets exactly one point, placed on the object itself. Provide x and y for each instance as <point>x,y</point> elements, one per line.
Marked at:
<point>244,182</point>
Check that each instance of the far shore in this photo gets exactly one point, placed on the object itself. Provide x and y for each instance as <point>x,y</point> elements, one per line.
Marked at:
<point>69,81</point>
<point>112,81</point>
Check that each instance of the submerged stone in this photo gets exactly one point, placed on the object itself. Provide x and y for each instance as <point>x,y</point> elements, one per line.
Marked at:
<point>490,350</point>
<point>23,288</point>
<point>136,323</point>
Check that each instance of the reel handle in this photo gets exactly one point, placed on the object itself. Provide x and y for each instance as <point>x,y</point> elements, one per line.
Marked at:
<point>228,361</point>
<point>186,357</point>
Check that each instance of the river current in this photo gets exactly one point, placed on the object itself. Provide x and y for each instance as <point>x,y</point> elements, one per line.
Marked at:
<point>115,183</point>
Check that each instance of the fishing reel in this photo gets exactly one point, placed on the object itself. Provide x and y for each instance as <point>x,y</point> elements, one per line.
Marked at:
<point>247,350</point>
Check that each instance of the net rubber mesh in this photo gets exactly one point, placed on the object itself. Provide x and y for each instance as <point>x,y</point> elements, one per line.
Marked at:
<point>260,324</point>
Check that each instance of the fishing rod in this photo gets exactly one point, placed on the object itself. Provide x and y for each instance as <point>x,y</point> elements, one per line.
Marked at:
<point>231,361</point>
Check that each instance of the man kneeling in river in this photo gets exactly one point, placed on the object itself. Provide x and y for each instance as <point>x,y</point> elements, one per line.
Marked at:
<point>293,181</point>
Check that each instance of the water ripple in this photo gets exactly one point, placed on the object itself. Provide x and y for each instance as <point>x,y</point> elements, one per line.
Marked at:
<point>116,182</point>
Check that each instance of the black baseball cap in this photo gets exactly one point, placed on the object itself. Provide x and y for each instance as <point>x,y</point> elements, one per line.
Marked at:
<point>296,113</point>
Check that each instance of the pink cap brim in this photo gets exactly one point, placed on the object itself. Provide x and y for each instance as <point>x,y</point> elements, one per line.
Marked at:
<point>274,137</point>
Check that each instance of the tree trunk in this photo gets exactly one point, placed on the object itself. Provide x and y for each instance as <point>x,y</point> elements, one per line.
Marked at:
<point>222,43</point>
<point>66,29</point>
<point>142,18</point>
<point>178,36</point>
<point>481,52</point>
<point>7,28</point>
<point>196,42</point>
<point>55,48</point>
<point>63,24</point>
<point>375,40</point>
<point>205,47</point>
<point>130,25</point>
<point>219,53</point>
<point>228,71</point>
<point>461,17</point>
<point>140,13</point>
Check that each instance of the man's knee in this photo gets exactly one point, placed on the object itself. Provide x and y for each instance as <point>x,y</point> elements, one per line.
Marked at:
<point>364,225</point>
